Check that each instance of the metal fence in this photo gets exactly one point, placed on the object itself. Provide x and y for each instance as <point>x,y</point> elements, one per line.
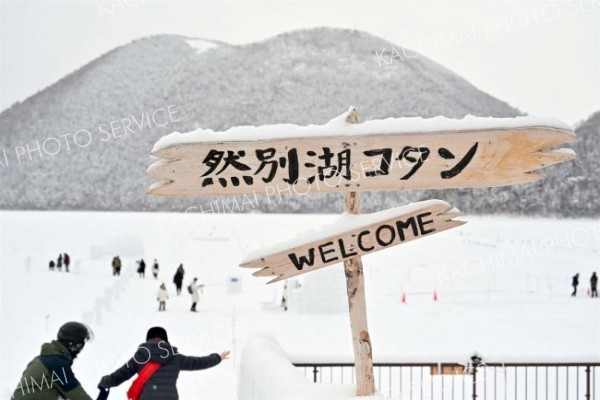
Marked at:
<point>476,381</point>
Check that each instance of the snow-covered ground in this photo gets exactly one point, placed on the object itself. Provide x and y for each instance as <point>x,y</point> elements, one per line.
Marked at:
<point>503,288</point>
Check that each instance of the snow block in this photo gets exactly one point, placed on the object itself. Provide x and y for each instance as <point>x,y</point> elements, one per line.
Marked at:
<point>267,373</point>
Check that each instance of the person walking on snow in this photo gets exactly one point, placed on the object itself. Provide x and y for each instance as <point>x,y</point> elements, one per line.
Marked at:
<point>155,269</point>
<point>178,278</point>
<point>162,297</point>
<point>51,265</point>
<point>116,265</point>
<point>142,268</point>
<point>594,285</point>
<point>59,262</point>
<point>157,364</point>
<point>284,297</point>
<point>67,261</point>
<point>193,289</point>
<point>575,283</point>
<point>49,375</point>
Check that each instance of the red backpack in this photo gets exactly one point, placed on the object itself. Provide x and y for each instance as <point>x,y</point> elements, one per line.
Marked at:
<point>137,386</point>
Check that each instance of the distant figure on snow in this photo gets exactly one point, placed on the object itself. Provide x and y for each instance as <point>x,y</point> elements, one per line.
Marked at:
<point>575,284</point>
<point>157,364</point>
<point>66,261</point>
<point>284,297</point>
<point>162,297</point>
<point>178,278</point>
<point>116,265</point>
<point>59,262</point>
<point>141,268</point>
<point>594,285</point>
<point>155,269</point>
<point>51,265</point>
<point>49,375</point>
<point>193,290</point>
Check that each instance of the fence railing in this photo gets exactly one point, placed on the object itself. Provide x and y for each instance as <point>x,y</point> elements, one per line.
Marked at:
<point>476,381</point>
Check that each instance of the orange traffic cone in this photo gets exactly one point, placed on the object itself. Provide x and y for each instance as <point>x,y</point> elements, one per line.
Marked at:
<point>435,295</point>
<point>404,298</point>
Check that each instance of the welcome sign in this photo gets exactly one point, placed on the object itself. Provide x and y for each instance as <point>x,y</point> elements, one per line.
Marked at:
<point>361,235</point>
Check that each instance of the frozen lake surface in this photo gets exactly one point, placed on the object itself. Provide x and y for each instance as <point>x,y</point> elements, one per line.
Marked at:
<point>503,289</point>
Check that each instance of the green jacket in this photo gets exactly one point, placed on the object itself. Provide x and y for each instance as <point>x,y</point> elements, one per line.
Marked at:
<point>49,376</point>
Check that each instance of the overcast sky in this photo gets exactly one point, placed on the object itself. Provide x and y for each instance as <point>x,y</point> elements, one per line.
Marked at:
<point>542,57</point>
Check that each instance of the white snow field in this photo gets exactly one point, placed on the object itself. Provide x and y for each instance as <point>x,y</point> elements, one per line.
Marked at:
<point>503,288</point>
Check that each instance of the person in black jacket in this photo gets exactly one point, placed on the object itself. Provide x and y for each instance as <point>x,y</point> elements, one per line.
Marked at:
<point>66,261</point>
<point>162,383</point>
<point>575,283</point>
<point>142,268</point>
<point>594,285</point>
<point>178,278</point>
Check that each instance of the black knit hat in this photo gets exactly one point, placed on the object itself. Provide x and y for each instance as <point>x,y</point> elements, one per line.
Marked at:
<point>157,332</point>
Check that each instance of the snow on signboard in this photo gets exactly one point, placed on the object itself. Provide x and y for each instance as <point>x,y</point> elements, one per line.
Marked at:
<point>389,154</point>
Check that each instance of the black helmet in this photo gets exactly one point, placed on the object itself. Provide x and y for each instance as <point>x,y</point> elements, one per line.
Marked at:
<point>74,335</point>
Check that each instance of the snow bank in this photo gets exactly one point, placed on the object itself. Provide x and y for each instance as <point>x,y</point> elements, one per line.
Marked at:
<point>338,127</point>
<point>266,373</point>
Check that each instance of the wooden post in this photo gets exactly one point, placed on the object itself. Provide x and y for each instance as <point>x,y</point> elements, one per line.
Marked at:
<point>355,285</point>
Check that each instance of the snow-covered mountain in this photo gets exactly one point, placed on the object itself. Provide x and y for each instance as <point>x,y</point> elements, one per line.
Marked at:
<point>302,77</point>
<point>579,181</point>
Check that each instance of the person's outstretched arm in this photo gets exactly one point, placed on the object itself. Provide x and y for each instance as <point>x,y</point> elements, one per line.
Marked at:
<point>187,363</point>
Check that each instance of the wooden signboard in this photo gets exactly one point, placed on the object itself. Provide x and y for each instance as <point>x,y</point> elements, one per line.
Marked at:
<point>366,234</point>
<point>355,163</point>
<point>346,156</point>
